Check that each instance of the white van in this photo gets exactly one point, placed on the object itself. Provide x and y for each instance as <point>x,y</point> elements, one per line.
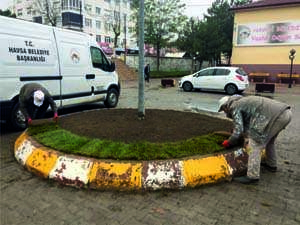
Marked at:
<point>69,64</point>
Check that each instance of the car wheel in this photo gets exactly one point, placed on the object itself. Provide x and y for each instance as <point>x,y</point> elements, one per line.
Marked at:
<point>112,98</point>
<point>187,86</point>
<point>231,89</point>
<point>17,119</point>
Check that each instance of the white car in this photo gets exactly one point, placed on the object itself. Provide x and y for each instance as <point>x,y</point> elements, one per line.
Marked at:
<point>232,80</point>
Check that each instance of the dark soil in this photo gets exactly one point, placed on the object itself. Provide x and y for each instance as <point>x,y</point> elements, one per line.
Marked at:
<point>158,125</point>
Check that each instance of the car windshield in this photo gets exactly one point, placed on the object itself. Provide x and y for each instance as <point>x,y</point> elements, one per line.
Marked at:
<point>241,72</point>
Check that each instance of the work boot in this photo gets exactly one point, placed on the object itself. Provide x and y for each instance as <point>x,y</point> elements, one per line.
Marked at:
<point>272,169</point>
<point>246,180</point>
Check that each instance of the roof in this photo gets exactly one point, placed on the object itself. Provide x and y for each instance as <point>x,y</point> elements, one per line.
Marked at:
<point>267,4</point>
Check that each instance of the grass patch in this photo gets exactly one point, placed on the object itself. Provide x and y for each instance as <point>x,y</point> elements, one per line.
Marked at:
<point>62,140</point>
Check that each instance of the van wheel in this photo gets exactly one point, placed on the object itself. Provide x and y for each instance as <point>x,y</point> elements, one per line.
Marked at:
<point>112,98</point>
<point>231,89</point>
<point>17,119</point>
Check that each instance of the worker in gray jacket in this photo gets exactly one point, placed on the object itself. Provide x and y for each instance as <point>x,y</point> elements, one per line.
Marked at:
<point>34,101</point>
<point>260,120</point>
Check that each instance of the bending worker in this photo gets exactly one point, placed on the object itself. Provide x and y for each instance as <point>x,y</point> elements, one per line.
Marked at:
<point>260,120</point>
<point>34,101</point>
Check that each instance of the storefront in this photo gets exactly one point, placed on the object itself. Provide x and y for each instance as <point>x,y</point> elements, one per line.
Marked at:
<point>265,33</point>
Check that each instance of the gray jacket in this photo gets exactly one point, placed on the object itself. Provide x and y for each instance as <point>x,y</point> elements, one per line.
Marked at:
<point>253,116</point>
<point>26,97</point>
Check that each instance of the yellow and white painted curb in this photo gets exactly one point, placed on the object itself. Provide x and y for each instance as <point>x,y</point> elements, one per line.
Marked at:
<point>128,175</point>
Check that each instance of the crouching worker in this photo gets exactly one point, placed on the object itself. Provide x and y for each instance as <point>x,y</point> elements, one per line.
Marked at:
<point>260,120</point>
<point>34,101</point>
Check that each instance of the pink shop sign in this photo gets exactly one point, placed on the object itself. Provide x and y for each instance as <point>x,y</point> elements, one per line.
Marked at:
<point>280,33</point>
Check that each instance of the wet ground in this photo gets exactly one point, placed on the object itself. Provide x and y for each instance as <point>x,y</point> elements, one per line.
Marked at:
<point>29,200</point>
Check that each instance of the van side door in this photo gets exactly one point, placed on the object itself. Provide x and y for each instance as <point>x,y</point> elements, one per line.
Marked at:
<point>74,56</point>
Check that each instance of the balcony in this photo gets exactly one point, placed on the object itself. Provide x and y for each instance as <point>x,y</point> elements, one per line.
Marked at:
<point>71,20</point>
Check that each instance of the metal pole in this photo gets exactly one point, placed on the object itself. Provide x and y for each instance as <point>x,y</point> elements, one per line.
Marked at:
<point>141,100</point>
<point>125,41</point>
<point>291,57</point>
<point>291,72</point>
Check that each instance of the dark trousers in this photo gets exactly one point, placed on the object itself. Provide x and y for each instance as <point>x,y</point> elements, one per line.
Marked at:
<point>147,78</point>
<point>38,112</point>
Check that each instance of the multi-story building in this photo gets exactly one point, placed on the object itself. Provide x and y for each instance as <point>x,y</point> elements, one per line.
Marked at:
<point>95,17</point>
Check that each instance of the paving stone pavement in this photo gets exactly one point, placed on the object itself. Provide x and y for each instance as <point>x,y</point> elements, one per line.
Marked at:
<point>28,199</point>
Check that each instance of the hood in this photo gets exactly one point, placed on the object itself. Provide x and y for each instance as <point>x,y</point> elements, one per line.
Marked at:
<point>188,77</point>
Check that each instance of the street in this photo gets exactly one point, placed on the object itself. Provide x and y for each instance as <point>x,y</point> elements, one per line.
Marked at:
<point>30,200</point>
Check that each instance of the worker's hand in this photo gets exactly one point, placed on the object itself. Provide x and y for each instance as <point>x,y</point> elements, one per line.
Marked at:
<point>55,117</point>
<point>226,144</point>
<point>29,121</point>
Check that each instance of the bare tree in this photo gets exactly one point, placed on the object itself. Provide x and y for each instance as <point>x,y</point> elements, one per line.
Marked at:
<point>49,9</point>
<point>164,19</point>
<point>116,26</point>
<point>113,18</point>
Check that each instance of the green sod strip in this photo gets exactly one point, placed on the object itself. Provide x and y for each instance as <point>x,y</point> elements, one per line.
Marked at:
<point>67,142</point>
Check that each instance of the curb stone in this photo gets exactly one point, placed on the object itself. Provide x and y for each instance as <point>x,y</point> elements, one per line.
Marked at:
<point>84,172</point>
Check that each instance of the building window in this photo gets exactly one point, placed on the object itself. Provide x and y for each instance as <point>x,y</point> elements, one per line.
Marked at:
<point>108,14</point>
<point>71,4</point>
<point>75,4</point>
<point>117,15</point>
<point>108,1</point>
<point>88,8</point>
<point>98,24</point>
<point>64,4</point>
<point>88,23</point>
<point>29,11</point>
<point>108,26</point>
<point>20,12</point>
<point>131,29</point>
<point>98,38</point>
<point>107,39</point>
<point>56,5</point>
<point>98,10</point>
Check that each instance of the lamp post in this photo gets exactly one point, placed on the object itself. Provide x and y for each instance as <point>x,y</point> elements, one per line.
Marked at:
<point>195,61</point>
<point>291,57</point>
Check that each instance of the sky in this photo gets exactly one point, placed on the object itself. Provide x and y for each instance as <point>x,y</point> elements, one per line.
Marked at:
<point>193,7</point>
<point>197,8</point>
<point>4,4</point>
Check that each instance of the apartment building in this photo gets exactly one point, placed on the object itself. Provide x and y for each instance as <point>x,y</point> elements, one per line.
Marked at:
<point>95,17</point>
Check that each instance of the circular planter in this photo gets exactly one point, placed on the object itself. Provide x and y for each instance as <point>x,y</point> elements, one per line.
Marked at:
<point>84,172</point>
